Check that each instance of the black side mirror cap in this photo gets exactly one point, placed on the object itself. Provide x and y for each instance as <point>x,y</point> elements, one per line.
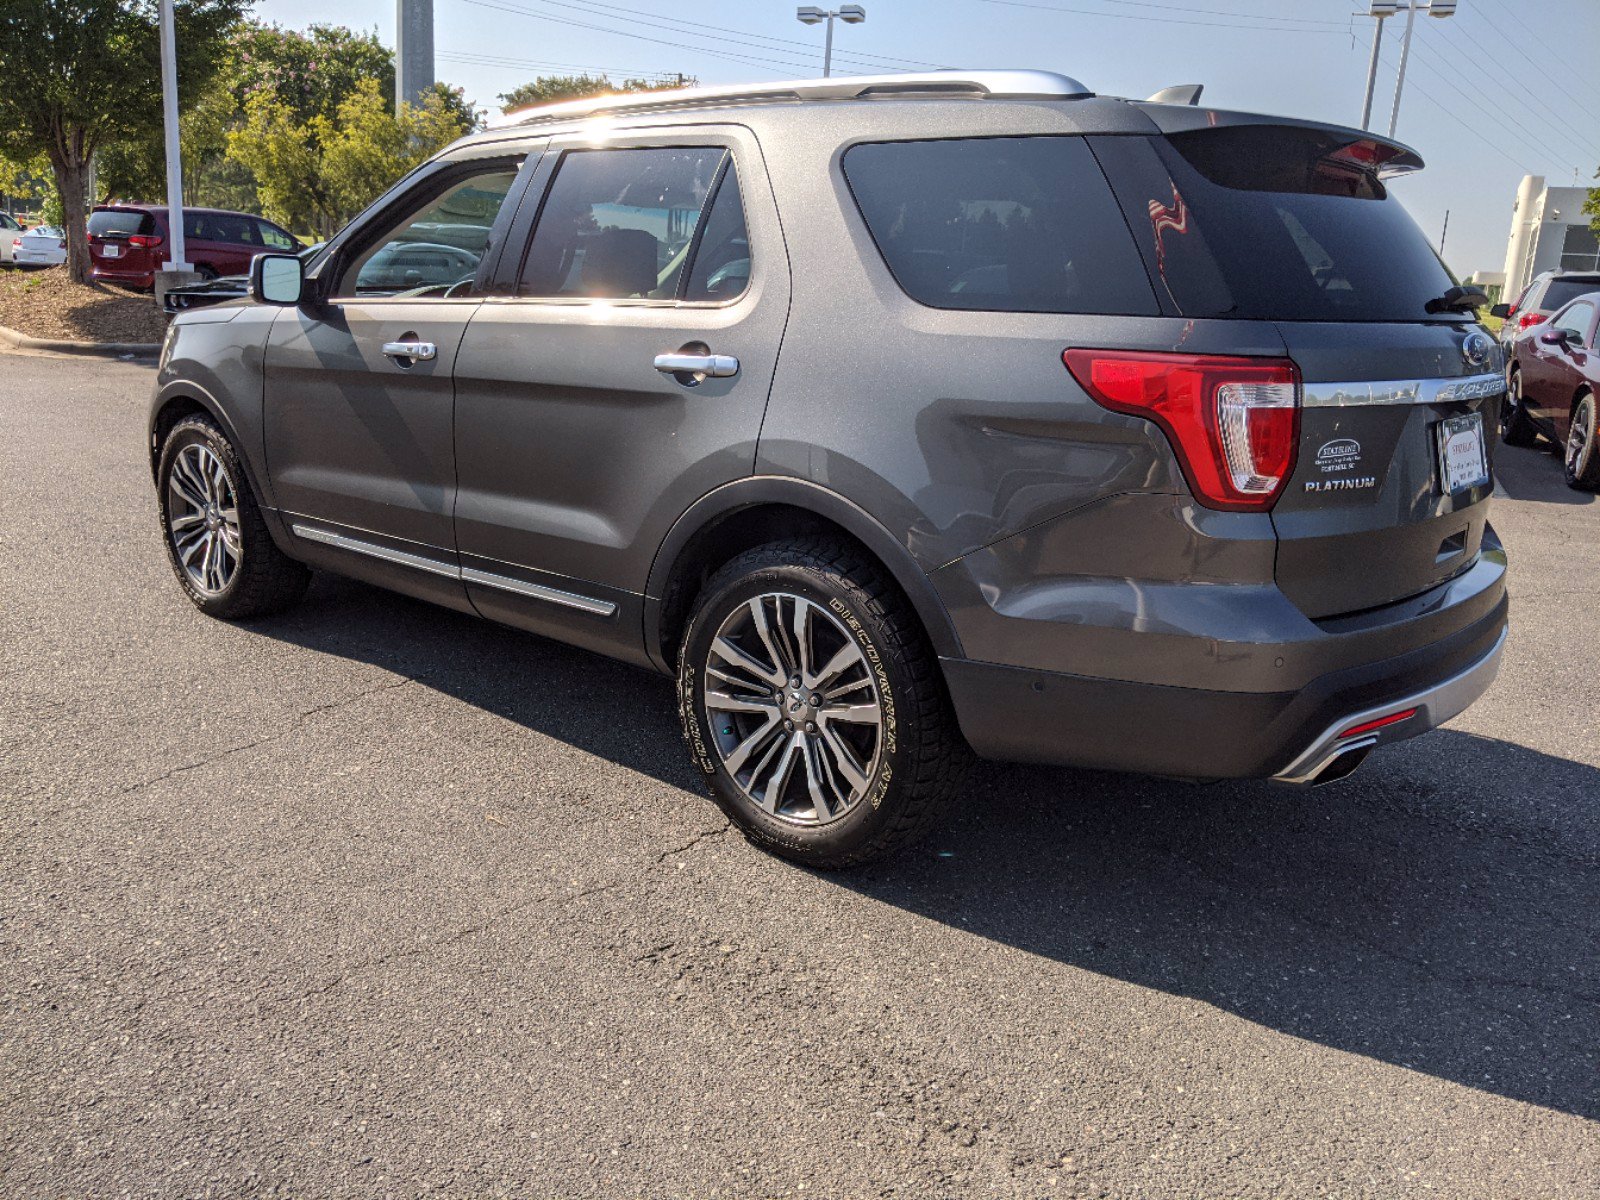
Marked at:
<point>277,279</point>
<point>1502,311</point>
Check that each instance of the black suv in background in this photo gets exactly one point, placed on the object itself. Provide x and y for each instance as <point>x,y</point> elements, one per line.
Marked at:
<point>894,416</point>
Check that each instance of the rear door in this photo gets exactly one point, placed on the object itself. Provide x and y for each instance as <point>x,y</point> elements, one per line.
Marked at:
<point>1293,225</point>
<point>577,442</point>
<point>1561,367</point>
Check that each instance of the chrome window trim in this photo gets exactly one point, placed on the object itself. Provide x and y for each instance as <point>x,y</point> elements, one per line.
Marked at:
<point>536,591</point>
<point>1402,391</point>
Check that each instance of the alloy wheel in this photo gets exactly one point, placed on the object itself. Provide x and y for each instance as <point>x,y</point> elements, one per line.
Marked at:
<point>1580,439</point>
<point>1510,402</point>
<point>795,708</point>
<point>203,519</point>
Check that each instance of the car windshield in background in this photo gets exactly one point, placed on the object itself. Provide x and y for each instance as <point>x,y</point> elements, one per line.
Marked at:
<point>1560,290</point>
<point>1016,224</point>
<point>1273,222</point>
<point>115,223</point>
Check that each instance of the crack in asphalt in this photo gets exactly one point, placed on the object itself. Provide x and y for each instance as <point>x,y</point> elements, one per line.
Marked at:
<point>482,926</point>
<point>229,751</point>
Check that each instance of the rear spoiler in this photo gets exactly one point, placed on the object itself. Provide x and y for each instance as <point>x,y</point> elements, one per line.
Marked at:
<point>1386,157</point>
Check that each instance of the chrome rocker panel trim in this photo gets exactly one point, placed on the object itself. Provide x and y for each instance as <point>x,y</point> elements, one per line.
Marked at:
<point>1434,707</point>
<point>535,591</point>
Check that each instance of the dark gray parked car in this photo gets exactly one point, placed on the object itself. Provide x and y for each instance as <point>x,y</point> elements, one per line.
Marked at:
<point>895,417</point>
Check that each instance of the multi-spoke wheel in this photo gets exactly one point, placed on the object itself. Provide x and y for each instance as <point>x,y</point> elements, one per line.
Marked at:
<point>203,519</point>
<point>814,706</point>
<point>1516,427</point>
<point>795,713</point>
<point>1582,457</point>
<point>216,539</point>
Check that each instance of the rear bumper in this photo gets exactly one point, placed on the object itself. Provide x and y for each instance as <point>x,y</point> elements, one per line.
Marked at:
<point>1053,717</point>
<point>142,280</point>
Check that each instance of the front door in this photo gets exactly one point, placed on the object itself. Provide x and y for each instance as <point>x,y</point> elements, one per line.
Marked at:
<point>359,441</point>
<point>624,378</point>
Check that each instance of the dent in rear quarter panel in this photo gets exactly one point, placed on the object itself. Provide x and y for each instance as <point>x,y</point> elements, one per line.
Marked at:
<point>214,355</point>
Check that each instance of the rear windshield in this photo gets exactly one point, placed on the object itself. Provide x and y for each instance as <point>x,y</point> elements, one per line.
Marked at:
<point>1558,291</point>
<point>1008,224</point>
<point>1275,223</point>
<point>114,221</point>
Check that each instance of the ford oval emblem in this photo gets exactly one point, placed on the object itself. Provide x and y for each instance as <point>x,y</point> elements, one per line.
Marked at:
<point>1476,349</point>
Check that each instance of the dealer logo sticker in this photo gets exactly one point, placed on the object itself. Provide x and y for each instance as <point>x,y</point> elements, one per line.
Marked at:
<point>1339,455</point>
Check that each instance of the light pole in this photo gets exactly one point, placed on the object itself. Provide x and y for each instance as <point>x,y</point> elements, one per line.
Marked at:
<point>1434,8</point>
<point>850,14</point>
<point>177,265</point>
<point>1379,11</point>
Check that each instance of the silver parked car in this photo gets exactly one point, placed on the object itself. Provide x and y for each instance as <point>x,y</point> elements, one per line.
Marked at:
<point>898,418</point>
<point>41,246</point>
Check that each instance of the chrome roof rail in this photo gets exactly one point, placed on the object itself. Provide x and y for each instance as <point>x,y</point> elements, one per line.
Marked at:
<point>997,85</point>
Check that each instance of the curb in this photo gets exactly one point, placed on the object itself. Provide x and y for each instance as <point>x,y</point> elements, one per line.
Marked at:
<point>10,339</point>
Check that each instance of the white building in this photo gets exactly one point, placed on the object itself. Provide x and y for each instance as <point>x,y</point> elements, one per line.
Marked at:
<point>1549,232</point>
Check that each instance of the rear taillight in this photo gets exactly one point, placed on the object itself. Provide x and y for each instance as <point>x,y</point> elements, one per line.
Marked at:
<point>1529,318</point>
<point>1234,423</point>
<point>142,241</point>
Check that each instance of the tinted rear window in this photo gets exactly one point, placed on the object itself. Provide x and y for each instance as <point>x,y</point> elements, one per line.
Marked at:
<point>118,221</point>
<point>1558,291</point>
<point>1023,224</point>
<point>1273,222</point>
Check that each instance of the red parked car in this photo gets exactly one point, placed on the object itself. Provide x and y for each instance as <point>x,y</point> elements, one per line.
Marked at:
<point>129,243</point>
<point>1554,388</point>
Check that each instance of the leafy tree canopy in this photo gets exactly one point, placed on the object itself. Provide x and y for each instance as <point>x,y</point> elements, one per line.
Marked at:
<point>80,75</point>
<point>547,89</point>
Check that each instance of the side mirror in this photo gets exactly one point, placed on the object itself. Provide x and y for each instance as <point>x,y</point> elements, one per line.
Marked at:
<point>1554,337</point>
<point>277,279</point>
<point>1502,311</point>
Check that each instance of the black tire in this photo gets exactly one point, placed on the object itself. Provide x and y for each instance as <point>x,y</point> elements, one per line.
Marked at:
<point>1516,427</point>
<point>921,756</point>
<point>207,274</point>
<point>264,579</point>
<point>1580,461</point>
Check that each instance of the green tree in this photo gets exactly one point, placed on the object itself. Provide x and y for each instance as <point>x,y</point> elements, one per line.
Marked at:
<point>1591,206</point>
<point>318,174</point>
<point>81,75</point>
<point>548,89</point>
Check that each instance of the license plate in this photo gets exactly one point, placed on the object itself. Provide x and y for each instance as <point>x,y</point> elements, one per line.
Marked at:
<point>111,250</point>
<point>1463,464</point>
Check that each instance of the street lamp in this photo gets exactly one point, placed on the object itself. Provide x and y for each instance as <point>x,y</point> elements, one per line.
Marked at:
<point>1379,11</point>
<point>1434,8</point>
<point>850,14</point>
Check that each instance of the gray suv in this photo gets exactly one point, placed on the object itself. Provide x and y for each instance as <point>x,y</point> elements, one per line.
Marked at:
<point>899,418</point>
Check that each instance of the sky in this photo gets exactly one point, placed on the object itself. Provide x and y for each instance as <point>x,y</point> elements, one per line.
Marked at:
<point>1488,98</point>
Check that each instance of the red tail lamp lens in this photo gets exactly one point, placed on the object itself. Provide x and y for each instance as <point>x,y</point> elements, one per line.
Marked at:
<point>1234,423</point>
<point>140,241</point>
<point>1369,726</point>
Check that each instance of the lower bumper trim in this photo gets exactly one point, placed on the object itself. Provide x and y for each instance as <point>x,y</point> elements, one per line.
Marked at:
<point>1432,708</point>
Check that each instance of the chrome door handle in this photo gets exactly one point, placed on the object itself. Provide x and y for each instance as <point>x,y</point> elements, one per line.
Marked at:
<point>717,366</point>
<point>415,351</point>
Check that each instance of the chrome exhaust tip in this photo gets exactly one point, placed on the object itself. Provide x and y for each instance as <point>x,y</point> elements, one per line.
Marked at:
<point>1343,762</point>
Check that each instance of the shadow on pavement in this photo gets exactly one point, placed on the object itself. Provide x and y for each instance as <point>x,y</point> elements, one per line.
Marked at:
<point>1420,913</point>
<point>1534,473</point>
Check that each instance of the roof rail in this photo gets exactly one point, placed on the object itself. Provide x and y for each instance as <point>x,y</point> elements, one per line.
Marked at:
<point>1008,85</point>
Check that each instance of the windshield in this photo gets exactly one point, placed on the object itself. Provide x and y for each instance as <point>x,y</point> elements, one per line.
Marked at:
<point>1275,223</point>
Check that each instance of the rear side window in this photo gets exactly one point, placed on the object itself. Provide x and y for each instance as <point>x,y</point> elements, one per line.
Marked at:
<point>721,262</point>
<point>120,223</point>
<point>1273,223</point>
<point>275,238</point>
<point>1024,224</point>
<point>620,224</point>
<point>1558,291</point>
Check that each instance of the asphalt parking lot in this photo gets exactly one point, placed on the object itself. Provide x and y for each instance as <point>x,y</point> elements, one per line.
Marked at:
<point>373,899</point>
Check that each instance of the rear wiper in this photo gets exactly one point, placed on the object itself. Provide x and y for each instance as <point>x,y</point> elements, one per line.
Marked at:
<point>1463,298</point>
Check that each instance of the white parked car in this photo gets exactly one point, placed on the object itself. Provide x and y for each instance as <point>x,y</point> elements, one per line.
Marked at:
<point>41,246</point>
<point>10,230</point>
